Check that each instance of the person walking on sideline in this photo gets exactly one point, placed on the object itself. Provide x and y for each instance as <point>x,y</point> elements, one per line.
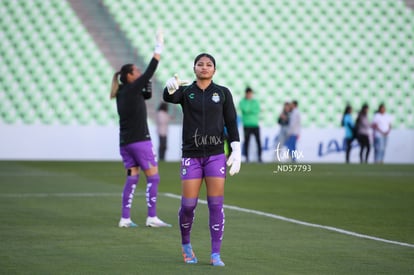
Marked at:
<point>207,109</point>
<point>130,89</point>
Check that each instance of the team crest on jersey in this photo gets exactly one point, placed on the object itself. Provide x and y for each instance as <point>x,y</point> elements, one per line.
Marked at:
<point>184,171</point>
<point>215,98</point>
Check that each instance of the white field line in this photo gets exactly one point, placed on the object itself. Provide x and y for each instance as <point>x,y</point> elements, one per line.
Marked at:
<point>235,208</point>
<point>273,216</point>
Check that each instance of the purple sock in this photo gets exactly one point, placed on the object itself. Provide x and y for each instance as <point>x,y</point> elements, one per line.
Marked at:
<point>186,218</point>
<point>128,195</point>
<point>151,194</point>
<point>216,222</point>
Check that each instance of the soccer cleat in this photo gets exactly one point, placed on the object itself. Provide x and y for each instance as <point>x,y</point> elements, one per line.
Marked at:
<point>216,260</point>
<point>188,254</point>
<point>125,223</point>
<point>156,222</point>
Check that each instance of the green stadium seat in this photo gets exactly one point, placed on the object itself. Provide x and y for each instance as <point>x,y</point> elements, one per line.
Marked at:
<point>47,46</point>
<point>329,49</point>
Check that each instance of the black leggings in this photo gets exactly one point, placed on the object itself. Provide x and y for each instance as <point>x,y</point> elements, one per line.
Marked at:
<point>162,147</point>
<point>256,132</point>
<point>348,148</point>
<point>364,144</point>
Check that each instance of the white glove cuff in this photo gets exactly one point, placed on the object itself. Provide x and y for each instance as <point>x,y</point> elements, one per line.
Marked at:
<point>158,48</point>
<point>235,146</point>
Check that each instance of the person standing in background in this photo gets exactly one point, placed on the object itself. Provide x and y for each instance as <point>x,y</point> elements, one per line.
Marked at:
<point>250,110</point>
<point>348,123</point>
<point>162,120</point>
<point>293,129</point>
<point>362,130</point>
<point>283,121</point>
<point>382,128</point>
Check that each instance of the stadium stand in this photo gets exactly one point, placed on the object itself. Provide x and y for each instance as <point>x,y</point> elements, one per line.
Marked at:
<point>323,53</point>
<point>52,72</point>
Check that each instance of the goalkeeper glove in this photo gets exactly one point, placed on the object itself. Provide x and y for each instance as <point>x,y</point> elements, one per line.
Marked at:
<point>235,158</point>
<point>174,83</point>
<point>159,42</point>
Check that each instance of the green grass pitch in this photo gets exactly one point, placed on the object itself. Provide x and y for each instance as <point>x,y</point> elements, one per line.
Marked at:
<point>61,218</point>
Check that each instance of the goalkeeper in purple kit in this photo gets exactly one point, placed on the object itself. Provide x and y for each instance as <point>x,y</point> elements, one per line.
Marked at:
<point>207,109</point>
<point>130,88</point>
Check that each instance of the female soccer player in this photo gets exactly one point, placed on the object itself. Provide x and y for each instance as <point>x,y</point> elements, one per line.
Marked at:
<point>207,108</point>
<point>131,88</point>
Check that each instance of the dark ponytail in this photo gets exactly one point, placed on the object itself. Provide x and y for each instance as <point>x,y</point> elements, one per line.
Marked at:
<point>120,78</point>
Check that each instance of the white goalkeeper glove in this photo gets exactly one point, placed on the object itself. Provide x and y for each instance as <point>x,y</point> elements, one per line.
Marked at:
<point>159,42</point>
<point>235,158</point>
<point>174,83</point>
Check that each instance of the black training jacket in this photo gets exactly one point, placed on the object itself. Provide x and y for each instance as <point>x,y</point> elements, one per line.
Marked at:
<point>132,110</point>
<point>205,114</point>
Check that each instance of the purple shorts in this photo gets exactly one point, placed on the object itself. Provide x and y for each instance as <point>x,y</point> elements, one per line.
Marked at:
<point>139,154</point>
<point>198,168</point>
